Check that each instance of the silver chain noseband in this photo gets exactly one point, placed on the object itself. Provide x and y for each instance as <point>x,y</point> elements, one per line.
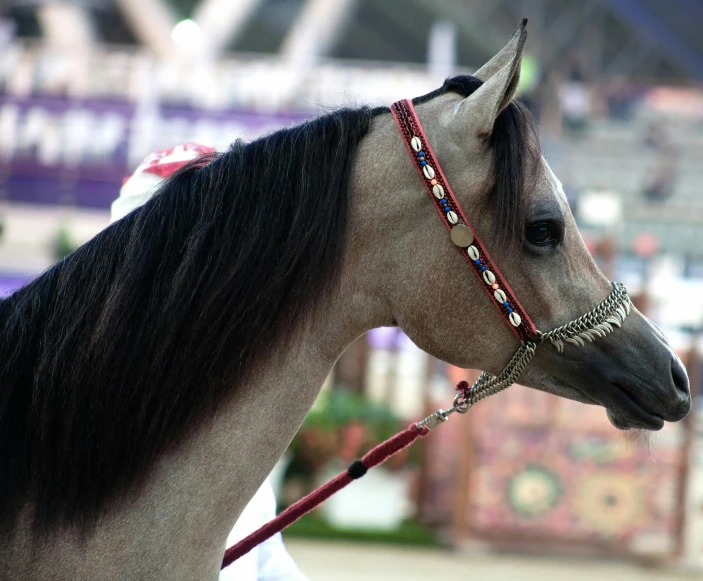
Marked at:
<point>598,322</point>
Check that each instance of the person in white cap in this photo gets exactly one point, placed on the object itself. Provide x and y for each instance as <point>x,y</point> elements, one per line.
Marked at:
<point>269,561</point>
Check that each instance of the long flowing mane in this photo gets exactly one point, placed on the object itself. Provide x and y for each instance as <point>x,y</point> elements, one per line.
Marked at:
<point>116,352</point>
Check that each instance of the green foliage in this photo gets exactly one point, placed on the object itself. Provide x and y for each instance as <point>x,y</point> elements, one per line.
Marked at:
<point>63,243</point>
<point>337,407</point>
<point>345,425</point>
<point>408,533</point>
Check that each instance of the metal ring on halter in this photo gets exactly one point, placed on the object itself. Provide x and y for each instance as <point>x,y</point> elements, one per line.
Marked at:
<point>461,405</point>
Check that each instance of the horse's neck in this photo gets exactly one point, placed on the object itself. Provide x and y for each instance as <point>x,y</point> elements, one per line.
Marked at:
<point>226,461</point>
<point>177,526</point>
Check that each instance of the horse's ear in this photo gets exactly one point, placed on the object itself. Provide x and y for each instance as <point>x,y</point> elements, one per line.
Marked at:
<point>505,55</point>
<point>478,111</point>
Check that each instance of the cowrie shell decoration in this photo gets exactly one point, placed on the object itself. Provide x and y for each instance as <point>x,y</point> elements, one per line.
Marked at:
<point>428,171</point>
<point>438,192</point>
<point>515,319</point>
<point>489,277</point>
<point>473,252</point>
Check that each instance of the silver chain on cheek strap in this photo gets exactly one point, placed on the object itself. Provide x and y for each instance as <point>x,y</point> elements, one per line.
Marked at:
<point>599,322</point>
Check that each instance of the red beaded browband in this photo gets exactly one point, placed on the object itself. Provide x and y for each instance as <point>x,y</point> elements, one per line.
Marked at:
<point>462,233</point>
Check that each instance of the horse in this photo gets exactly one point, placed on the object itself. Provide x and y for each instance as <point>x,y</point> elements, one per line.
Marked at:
<point>152,379</point>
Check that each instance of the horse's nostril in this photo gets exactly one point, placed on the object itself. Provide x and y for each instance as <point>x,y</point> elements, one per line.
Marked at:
<point>678,374</point>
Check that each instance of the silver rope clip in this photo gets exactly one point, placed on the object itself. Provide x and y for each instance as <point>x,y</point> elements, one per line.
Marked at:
<point>435,419</point>
<point>461,406</point>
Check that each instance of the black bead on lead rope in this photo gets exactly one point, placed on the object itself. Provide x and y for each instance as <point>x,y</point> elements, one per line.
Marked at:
<point>357,469</point>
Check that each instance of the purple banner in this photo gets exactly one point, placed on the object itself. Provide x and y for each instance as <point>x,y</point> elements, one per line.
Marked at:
<point>9,284</point>
<point>77,152</point>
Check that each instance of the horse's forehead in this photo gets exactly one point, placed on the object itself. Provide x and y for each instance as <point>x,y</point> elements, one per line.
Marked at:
<point>549,184</point>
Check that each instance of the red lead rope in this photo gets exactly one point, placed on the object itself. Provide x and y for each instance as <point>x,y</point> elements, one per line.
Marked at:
<point>357,469</point>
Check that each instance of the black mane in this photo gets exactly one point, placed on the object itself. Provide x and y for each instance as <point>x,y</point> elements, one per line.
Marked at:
<point>116,352</point>
<point>113,353</point>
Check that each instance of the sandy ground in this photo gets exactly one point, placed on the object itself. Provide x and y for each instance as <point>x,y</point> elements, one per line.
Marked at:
<point>336,561</point>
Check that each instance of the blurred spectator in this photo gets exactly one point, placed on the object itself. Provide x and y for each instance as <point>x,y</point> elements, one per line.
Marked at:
<point>269,561</point>
<point>660,185</point>
<point>657,137</point>
<point>7,32</point>
<point>621,98</point>
<point>575,101</point>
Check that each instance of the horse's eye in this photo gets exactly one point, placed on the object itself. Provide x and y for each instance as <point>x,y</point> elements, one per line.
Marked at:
<point>541,234</point>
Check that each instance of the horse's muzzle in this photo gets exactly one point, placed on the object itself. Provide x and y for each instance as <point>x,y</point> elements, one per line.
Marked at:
<point>633,373</point>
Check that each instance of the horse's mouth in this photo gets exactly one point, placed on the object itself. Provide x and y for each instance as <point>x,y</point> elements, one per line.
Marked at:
<point>629,421</point>
<point>626,412</point>
<point>630,403</point>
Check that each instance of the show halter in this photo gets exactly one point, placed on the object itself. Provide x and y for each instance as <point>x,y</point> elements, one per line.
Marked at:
<point>600,321</point>
<point>596,323</point>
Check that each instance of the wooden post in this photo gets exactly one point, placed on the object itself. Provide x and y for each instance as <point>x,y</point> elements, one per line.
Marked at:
<point>693,366</point>
<point>423,487</point>
<point>466,452</point>
<point>350,370</point>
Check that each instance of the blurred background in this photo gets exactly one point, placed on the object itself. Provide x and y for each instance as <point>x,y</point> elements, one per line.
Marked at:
<point>88,88</point>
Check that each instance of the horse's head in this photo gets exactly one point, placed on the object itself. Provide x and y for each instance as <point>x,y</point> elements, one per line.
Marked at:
<point>490,155</point>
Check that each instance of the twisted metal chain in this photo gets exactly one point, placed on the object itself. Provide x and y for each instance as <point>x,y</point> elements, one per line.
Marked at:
<point>487,384</point>
<point>598,322</point>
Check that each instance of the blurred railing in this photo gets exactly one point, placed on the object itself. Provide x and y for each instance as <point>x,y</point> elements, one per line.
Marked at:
<point>241,81</point>
<point>80,122</point>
